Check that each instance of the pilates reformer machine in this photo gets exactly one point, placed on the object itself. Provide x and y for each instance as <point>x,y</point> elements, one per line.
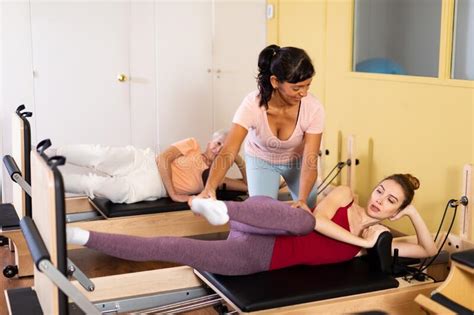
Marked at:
<point>162,217</point>
<point>362,284</point>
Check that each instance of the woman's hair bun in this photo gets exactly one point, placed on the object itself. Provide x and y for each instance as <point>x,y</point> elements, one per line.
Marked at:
<point>415,183</point>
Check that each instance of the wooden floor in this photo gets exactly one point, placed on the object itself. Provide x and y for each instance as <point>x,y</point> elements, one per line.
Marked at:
<point>93,263</point>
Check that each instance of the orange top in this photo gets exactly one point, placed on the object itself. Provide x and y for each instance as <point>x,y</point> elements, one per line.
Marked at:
<point>186,170</point>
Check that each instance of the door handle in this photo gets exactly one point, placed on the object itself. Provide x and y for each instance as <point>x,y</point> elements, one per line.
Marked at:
<point>122,77</point>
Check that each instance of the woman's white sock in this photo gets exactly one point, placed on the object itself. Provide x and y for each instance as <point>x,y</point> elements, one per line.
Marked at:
<point>77,236</point>
<point>215,211</point>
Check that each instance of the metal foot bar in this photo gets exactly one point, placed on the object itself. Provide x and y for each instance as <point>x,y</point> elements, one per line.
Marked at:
<point>185,306</point>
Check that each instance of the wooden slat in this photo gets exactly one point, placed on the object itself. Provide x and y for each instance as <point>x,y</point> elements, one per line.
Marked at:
<point>391,301</point>
<point>431,306</point>
<point>19,155</point>
<point>78,204</point>
<point>176,223</point>
<point>141,283</point>
<point>44,216</point>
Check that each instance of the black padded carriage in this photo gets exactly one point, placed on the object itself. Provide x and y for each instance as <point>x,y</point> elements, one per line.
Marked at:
<point>299,284</point>
<point>112,210</point>
<point>302,284</point>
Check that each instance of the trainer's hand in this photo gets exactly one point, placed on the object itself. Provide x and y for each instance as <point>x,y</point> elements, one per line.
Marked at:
<point>372,233</point>
<point>300,204</point>
<point>207,193</point>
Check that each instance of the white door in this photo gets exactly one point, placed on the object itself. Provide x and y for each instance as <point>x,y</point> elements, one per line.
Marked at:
<point>79,49</point>
<point>207,59</point>
<point>184,70</point>
<point>239,36</point>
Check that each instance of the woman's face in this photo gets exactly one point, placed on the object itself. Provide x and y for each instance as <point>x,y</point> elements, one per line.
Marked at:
<point>292,93</point>
<point>385,200</point>
<point>214,147</point>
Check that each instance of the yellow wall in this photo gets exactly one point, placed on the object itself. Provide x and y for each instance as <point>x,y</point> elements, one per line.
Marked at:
<point>402,124</point>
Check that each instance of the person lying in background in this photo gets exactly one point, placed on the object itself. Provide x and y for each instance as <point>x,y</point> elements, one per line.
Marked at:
<point>267,234</point>
<point>129,175</point>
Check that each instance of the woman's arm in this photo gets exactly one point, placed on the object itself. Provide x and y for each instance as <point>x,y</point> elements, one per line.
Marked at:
<point>164,161</point>
<point>327,227</point>
<point>425,246</point>
<point>233,184</point>
<point>309,168</point>
<point>224,160</point>
<point>325,211</point>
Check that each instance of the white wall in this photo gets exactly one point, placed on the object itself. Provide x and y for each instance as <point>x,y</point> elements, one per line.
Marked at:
<point>158,124</point>
<point>16,72</point>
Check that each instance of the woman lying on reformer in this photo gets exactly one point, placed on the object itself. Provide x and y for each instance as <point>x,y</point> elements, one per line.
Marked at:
<point>128,174</point>
<point>267,234</point>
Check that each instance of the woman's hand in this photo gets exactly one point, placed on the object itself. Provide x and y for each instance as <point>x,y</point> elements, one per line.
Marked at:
<point>180,198</point>
<point>282,183</point>
<point>408,211</point>
<point>372,233</point>
<point>301,204</point>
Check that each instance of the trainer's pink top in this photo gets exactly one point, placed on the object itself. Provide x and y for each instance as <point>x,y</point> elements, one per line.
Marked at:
<point>263,144</point>
<point>314,248</point>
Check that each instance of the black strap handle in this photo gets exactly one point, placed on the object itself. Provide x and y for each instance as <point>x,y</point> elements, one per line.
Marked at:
<point>11,166</point>
<point>56,161</point>
<point>43,145</point>
<point>23,114</point>
<point>35,243</point>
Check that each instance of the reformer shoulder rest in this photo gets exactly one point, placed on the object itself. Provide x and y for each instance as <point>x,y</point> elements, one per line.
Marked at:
<point>302,284</point>
<point>111,210</point>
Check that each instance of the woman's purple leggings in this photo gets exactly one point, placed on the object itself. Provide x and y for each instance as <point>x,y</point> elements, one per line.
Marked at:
<point>254,224</point>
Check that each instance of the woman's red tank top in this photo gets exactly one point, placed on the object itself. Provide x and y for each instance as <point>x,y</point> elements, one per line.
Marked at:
<point>314,248</point>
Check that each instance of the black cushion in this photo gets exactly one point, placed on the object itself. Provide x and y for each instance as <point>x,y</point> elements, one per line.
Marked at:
<point>8,217</point>
<point>448,303</point>
<point>466,257</point>
<point>300,284</point>
<point>112,210</point>
<point>24,301</point>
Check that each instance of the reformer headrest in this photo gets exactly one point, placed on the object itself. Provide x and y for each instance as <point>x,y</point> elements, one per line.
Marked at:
<point>380,256</point>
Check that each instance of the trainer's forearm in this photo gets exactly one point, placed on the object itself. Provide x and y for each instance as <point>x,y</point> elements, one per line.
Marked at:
<point>219,168</point>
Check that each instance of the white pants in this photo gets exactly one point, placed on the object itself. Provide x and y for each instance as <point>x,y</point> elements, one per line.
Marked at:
<point>121,174</point>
